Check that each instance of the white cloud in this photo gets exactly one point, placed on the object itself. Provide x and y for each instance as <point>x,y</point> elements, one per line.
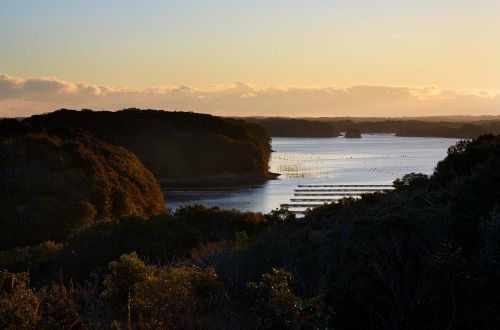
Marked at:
<point>23,97</point>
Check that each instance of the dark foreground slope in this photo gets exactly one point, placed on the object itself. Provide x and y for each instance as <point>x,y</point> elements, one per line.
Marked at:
<point>424,256</point>
<point>57,181</point>
<point>177,146</point>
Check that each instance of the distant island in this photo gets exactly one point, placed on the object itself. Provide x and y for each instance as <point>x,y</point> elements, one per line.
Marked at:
<point>352,133</point>
<point>180,148</point>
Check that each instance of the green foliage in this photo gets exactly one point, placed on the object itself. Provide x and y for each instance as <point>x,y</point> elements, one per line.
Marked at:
<point>468,158</point>
<point>36,259</point>
<point>424,256</point>
<point>175,145</point>
<point>468,179</point>
<point>277,307</point>
<point>58,308</point>
<point>24,308</point>
<point>281,215</point>
<point>290,127</point>
<point>54,183</point>
<point>149,297</point>
<point>19,305</point>
<point>124,274</point>
<point>353,133</point>
<point>411,180</point>
<point>178,298</point>
<point>159,238</point>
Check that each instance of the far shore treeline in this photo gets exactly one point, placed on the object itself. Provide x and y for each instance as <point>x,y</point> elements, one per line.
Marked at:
<point>332,127</point>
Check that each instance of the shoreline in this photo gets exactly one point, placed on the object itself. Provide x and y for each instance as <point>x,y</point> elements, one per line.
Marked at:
<point>217,181</point>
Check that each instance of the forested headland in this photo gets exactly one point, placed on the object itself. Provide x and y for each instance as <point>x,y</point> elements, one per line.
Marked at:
<point>290,127</point>
<point>424,256</point>
<point>178,147</point>
<point>57,181</point>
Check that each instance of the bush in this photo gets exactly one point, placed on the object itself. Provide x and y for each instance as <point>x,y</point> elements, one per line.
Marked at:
<point>58,308</point>
<point>19,305</point>
<point>277,307</point>
<point>177,297</point>
<point>118,285</point>
<point>184,297</point>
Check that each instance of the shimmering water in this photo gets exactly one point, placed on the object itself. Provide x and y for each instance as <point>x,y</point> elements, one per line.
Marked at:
<point>373,159</point>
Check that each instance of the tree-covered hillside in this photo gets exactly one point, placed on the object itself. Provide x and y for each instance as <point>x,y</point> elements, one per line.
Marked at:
<point>176,145</point>
<point>289,127</point>
<point>423,256</point>
<point>54,182</point>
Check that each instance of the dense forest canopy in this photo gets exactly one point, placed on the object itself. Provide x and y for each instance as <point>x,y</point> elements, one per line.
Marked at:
<point>175,145</point>
<point>59,180</point>
<point>289,127</point>
<point>423,256</point>
<point>352,133</point>
<point>329,127</point>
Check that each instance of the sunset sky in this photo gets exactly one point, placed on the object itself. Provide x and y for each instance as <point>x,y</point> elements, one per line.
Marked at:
<point>287,57</point>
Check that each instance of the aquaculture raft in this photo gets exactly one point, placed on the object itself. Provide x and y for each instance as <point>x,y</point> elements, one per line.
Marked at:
<point>313,195</point>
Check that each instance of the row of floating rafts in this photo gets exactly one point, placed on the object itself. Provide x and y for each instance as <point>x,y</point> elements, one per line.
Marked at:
<point>328,193</point>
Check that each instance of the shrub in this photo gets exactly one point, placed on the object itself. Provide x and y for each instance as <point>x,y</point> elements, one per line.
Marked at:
<point>19,305</point>
<point>277,307</point>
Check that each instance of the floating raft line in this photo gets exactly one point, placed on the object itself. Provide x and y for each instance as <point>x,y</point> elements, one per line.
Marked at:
<point>346,194</point>
<point>345,185</point>
<point>306,205</point>
<point>327,200</point>
<point>340,190</point>
<point>314,195</point>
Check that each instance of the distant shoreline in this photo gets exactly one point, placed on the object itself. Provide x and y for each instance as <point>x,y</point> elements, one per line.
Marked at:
<point>225,180</point>
<point>366,133</point>
<point>457,127</point>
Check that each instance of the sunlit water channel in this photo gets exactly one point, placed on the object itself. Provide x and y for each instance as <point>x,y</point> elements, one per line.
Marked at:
<point>372,160</point>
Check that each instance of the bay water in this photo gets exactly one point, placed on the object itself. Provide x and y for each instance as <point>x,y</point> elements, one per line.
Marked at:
<point>375,159</point>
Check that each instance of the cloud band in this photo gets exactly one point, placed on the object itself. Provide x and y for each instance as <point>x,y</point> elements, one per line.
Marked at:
<point>22,97</point>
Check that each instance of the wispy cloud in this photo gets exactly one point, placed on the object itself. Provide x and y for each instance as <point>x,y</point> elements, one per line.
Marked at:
<point>22,97</point>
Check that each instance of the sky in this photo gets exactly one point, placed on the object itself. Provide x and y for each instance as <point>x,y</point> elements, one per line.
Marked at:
<point>239,58</point>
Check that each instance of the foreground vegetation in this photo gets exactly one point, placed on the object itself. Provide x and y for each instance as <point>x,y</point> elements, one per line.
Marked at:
<point>177,147</point>
<point>424,256</point>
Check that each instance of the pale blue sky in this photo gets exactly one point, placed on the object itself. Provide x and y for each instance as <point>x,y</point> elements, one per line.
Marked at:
<point>453,44</point>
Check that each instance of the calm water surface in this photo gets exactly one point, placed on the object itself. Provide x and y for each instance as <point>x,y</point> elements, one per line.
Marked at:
<point>373,159</point>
